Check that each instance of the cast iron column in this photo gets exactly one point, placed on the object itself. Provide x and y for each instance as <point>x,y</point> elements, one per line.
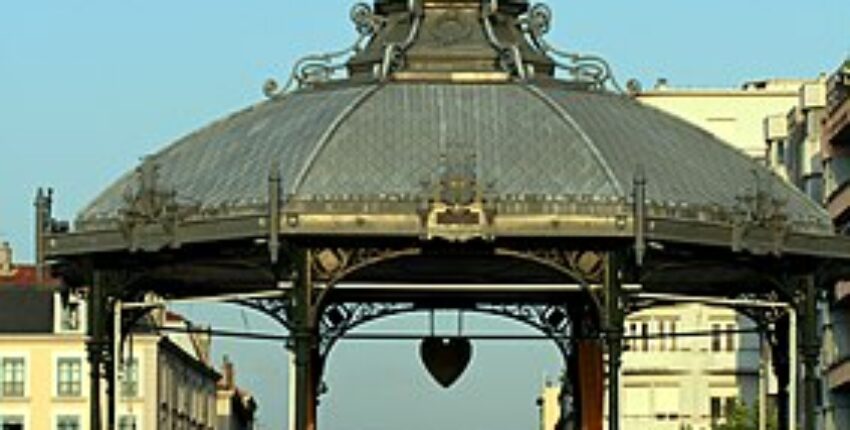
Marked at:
<point>614,327</point>
<point>95,347</point>
<point>810,351</point>
<point>781,368</point>
<point>306,344</point>
<point>100,348</point>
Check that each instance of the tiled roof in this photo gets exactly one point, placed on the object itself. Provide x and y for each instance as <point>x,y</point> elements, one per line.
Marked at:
<point>362,141</point>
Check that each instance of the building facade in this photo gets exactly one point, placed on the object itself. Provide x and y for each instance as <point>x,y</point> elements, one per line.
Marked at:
<point>793,140</point>
<point>234,406</point>
<point>735,115</point>
<point>672,381</point>
<point>164,382</point>
<point>835,138</point>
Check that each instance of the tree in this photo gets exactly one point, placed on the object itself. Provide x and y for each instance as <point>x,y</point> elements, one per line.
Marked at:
<point>742,417</point>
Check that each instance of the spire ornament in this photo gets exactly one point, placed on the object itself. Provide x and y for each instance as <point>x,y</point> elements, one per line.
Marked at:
<point>581,67</point>
<point>318,68</point>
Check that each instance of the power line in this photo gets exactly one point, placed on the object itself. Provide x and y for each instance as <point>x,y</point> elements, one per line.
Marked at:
<point>411,336</point>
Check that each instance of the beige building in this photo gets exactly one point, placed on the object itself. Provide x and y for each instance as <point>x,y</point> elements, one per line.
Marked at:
<point>793,140</point>
<point>735,115</point>
<point>669,381</point>
<point>165,382</point>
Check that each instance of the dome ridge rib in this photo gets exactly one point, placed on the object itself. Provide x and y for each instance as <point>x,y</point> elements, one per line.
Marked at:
<point>329,133</point>
<point>564,115</point>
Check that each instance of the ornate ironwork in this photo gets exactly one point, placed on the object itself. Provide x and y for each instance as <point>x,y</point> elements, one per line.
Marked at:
<point>318,68</point>
<point>278,309</point>
<point>149,203</point>
<point>760,209</point>
<point>583,267</point>
<point>457,208</point>
<point>394,52</point>
<point>510,57</point>
<point>339,319</point>
<point>332,265</point>
<point>582,67</point>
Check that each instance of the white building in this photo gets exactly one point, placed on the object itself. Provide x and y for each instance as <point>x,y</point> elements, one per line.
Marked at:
<point>670,381</point>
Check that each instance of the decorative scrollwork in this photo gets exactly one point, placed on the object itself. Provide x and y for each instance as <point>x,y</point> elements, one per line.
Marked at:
<point>510,57</point>
<point>279,309</point>
<point>147,202</point>
<point>338,319</point>
<point>365,20</point>
<point>395,52</point>
<point>582,67</point>
<point>331,265</point>
<point>554,321</point>
<point>318,68</point>
<point>760,209</point>
<point>586,267</point>
<point>457,207</point>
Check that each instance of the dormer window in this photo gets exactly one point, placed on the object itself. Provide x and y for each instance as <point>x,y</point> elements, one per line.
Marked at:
<point>69,318</point>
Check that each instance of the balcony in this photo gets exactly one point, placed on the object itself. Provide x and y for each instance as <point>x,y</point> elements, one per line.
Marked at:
<point>836,126</point>
<point>838,376</point>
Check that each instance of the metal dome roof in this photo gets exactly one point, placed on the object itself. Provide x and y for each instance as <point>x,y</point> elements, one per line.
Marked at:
<point>382,141</point>
<point>450,103</point>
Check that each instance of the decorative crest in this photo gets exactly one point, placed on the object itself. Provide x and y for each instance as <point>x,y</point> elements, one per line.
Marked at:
<point>148,203</point>
<point>457,208</point>
<point>760,209</point>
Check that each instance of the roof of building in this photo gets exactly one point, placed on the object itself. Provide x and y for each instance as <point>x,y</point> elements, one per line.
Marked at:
<point>26,309</point>
<point>26,304</point>
<point>360,142</point>
<point>459,114</point>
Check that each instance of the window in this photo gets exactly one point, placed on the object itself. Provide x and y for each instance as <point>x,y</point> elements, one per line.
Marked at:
<point>11,422</point>
<point>127,422</point>
<point>780,152</point>
<point>67,422</point>
<point>12,377</point>
<point>69,377</point>
<point>716,409</point>
<point>130,378</point>
<point>730,337</point>
<point>673,343</point>
<point>70,319</point>
<point>662,338</point>
<point>715,338</point>
<point>631,345</point>
<point>644,336</point>
<point>731,402</point>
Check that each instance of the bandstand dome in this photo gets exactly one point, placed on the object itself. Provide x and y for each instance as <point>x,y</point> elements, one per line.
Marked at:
<point>441,91</point>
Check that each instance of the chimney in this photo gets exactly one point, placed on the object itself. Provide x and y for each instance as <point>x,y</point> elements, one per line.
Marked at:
<point>5,259</point>
<point>229,374</point>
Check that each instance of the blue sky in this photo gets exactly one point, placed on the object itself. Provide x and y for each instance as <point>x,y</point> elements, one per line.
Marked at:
<point>89,87</point>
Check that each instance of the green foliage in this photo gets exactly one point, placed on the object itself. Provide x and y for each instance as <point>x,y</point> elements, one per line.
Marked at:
<point>742,417</point>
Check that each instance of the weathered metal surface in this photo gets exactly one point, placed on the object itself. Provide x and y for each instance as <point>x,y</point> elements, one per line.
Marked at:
<point>386,143</point>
